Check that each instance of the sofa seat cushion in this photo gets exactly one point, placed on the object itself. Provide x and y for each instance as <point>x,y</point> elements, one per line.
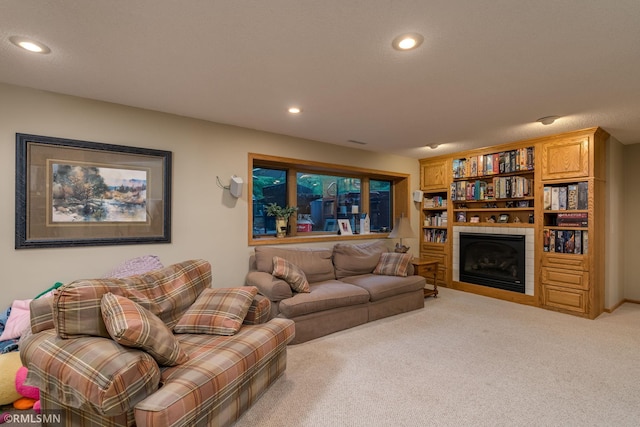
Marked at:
<point>93,373</point>
<point>217,366</point>
<point>381,287</point>
<point>316,263</point>
<point>323,296</point>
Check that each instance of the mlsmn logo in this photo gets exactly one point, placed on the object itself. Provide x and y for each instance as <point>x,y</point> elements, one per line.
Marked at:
<point>32,418</point>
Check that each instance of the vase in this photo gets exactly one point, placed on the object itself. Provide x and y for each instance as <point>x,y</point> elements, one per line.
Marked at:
<point>281,227</point>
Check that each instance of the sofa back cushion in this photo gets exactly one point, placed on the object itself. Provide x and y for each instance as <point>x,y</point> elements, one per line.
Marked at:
<point>167,293</point>
<point>314,262</point>
<point>353,260</point>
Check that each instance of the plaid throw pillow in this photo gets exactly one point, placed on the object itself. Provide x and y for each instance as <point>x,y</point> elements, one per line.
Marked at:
<point>132,325</point>
<point>290,273</point>
<point>217,311</point>
<point>393,264</point>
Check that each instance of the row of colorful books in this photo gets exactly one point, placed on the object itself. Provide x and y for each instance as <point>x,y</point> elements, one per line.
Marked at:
<point>566,197</point>
<point>434,202</point>
<point>435,236</point>
<point>566,241</point>
<point>436,220</point>
<point>521,159</point>
<point>508,187</point>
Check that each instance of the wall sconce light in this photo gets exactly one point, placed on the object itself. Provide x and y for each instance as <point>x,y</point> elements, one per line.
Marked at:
<point>235,187</point>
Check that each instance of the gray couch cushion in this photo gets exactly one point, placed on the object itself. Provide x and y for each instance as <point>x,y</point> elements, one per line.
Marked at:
<point>323,296</point>
<point>380,287</point>
<point>315,262</point>
<point>352,260</point>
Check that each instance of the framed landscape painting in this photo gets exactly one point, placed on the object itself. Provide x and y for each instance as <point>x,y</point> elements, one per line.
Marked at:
<point>80,193</point>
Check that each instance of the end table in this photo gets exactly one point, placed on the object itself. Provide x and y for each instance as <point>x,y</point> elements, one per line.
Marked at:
<point>427,268</point>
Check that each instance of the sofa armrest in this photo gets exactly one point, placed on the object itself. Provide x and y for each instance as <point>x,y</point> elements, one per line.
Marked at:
<point>41,314</point>
<point>271,287</point>
<point>259,311</point>
<point>91,373</point>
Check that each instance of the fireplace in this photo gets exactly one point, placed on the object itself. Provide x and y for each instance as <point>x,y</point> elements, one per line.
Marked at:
<point>494,260</point>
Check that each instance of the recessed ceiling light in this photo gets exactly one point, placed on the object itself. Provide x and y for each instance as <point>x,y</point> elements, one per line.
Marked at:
<point>295,110</point>
<point>547,120</point>
<point>30,45</point>
<point>407,41</point>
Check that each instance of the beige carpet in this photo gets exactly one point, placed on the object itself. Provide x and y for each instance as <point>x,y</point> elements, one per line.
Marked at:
<point>464,360</point>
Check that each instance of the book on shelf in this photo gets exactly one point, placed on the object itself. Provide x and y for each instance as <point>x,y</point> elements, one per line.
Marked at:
<point>585,242</point>
<point>555,198</point>
<point>572,196</point>
<point>583,195</point>
<point>547,198</point>
<point>546,239</point>
<point>565,241</point>
<point>578,239</point>
<point>562,198</point>
<point>572,219</point>
<point>559,241</point>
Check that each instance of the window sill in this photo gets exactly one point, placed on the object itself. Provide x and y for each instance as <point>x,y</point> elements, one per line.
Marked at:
<point>270,240</point>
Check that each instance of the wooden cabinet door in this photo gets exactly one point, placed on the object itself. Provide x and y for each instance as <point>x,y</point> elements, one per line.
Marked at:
<point>566,158</point>
<point>434,175</point>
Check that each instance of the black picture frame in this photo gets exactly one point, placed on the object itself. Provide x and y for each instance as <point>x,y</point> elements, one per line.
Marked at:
<point>80,193</point>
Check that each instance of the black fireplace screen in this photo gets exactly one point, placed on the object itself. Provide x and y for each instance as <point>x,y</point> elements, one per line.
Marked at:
<point>495,260</point>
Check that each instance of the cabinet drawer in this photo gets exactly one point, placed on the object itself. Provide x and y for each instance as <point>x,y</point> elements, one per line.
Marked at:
<point>565,278</point>
<point>566,299</point>
<point>571,262</point>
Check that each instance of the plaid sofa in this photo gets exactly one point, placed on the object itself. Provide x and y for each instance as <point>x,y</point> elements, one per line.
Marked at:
<point>93,380</point>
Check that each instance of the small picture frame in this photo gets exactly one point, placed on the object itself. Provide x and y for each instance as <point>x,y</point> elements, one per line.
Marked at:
<point>344,227</point>
<point>503,218</point>
<point>523,203</point>
<point>461,217</point>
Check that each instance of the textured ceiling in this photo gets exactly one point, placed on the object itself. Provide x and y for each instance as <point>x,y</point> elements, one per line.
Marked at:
<point>485,72</point>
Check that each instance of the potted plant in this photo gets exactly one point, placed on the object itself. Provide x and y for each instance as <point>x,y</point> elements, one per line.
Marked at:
<point>282,215</point>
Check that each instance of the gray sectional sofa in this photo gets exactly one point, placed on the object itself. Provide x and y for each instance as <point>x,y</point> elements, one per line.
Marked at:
<point>348,286</point>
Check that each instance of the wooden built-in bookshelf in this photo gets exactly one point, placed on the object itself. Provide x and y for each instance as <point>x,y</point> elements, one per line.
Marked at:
<point>553,185</point>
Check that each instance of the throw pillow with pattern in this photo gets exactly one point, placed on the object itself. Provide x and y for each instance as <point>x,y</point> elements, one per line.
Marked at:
<point>217,311</point>
<point>132,325</point>
<point>393,264</point>
<point>290,273</point>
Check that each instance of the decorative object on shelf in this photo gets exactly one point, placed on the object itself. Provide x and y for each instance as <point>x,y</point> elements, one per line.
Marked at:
<point>503,218</point>
<point>282,215</point>
<point>402,230</point>
<point>344,227</point>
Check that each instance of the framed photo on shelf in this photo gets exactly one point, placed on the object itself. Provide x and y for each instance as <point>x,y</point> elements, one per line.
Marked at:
<point>523,203</point>
<point>344,226</point>
<point>79,193</point>
<point>461,217</point>
<point>503,218</point>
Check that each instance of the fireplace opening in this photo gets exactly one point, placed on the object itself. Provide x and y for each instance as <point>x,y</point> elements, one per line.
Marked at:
<point>494,260</point>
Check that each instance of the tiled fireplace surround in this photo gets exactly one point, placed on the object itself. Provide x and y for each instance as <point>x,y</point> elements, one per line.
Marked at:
<point>517,231</point>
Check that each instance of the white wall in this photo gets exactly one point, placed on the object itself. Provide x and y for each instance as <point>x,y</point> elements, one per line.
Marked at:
<point>631,238</point>
<point>614,226</point>
<point>207,222</point>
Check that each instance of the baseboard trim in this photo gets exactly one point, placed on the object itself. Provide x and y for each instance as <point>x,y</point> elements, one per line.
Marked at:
<point>615,307</point>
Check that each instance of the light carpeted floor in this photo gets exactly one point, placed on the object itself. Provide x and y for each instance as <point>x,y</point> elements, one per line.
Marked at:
<point>464,360</point>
